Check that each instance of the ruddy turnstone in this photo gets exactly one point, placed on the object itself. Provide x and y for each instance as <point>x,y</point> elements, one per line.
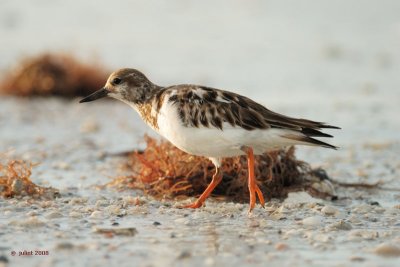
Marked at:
<point>210,122</point>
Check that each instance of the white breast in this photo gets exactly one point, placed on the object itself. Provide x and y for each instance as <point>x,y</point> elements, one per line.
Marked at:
<point>213,142</point>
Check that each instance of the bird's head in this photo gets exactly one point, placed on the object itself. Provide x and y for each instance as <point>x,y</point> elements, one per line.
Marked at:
<point>127,85</point>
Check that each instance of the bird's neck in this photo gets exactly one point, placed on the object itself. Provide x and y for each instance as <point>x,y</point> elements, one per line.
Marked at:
<point>150,105</point>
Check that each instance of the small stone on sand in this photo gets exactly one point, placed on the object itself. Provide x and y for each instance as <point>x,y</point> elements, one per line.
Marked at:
<point>387,250</point>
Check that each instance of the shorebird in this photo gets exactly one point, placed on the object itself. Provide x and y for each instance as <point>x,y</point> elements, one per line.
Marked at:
<point>210,122</point>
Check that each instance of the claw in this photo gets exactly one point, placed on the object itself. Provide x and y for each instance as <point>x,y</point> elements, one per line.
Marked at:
<point>194,205</point>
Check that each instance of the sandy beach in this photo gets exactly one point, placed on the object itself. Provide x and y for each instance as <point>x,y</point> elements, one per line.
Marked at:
<point>335,62</point>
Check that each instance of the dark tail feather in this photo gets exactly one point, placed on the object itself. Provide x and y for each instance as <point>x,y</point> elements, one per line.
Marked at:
<point>312,132</point>
<point>315,133</point>
<point>303,130</point>
<point>328,126</point>
<point>313,141</point>
<point>308,140</point>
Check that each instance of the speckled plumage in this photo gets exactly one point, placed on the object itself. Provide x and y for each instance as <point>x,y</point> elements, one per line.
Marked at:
<point>210,122</point>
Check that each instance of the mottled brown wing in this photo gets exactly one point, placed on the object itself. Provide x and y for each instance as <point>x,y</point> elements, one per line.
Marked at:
<point>203,106</point>
<point>208,107</point>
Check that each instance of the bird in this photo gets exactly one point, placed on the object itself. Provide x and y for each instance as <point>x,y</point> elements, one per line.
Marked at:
<point>212,123</point>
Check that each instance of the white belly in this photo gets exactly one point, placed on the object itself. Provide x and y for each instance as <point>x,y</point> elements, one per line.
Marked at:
<point>213,142</point>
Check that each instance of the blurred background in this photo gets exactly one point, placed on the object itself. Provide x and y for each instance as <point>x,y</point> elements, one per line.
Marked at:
<point>309,58</point>
<point>284,49</point>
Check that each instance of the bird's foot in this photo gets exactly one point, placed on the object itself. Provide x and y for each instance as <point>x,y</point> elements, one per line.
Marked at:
<point>194,205</point>
<point>256,193</point>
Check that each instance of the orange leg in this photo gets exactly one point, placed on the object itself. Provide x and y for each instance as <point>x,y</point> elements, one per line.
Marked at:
<point>260,196</point>
<point>253,187</point>
<point>214,182</point>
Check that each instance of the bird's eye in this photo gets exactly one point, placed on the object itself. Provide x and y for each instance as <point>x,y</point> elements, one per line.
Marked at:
<point>116,81</point>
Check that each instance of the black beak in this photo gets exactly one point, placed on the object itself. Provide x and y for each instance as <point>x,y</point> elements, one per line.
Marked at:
<point>103,92</point>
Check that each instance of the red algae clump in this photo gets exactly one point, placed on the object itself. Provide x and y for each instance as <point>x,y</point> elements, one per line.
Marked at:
<point>164,171</point>
<point>15,181</point>
<point>53,75</point>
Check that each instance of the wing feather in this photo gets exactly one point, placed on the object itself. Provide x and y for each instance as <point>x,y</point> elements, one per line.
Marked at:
<point>209,107</point>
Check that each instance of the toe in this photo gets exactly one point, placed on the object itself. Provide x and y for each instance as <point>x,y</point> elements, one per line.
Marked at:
<point>194,205</point>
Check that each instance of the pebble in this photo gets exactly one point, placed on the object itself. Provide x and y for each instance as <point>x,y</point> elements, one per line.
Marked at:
<point>75,214</point>
<point>373,203</point>
<point>89,126</point>
<point>78,200</point>
<point>277,216</point>
<point>387,250</point>
<point>254,224</point>
<point>62,165</point>
<point>340,225</point>
<point>281,246</point>
<point>283,211</point>
<point>50,193</point>
<point>60,234</point>
<point>46,204</point>
<point>312,221</point>
<point>379,210</point>
<point>114,210</point>
<point>329,210</point>
<point>184,255</point>
<point>357,258</point>
<point>31,222</point>
<point>300,197</point>
<point>324,238</point>
<point>355,220</point>
<point>64,245</point>
<point>293,232</point>
<point>130,200</point>
<point>32,213</point>
<point>102,203</point>
<point>96,214</point>
<point>294,206</point>
<point>87,209</point>
<point>324,186</point>
<point>129,231</point>
<point>363,234</point>
<point>362,209</point>
<point>182,221</point>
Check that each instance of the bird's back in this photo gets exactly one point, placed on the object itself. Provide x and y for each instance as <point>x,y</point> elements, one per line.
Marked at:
<point>191,114</point>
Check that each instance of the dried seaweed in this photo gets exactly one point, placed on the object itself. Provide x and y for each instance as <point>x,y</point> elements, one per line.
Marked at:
<point>53,74</point>
<point>164,171</point>
<point>15,181</point>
